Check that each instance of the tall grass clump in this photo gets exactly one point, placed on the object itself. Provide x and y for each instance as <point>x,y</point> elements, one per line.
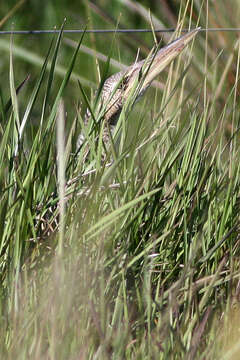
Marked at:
<point>125,250</point>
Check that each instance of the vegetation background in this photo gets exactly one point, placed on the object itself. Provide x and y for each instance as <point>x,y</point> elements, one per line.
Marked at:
<point>139,259</point>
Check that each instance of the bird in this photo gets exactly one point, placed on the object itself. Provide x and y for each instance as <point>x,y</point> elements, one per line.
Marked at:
<point>118,87</point>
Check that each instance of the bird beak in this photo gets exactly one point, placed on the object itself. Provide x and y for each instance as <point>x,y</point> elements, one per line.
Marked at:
<point>153,65</point>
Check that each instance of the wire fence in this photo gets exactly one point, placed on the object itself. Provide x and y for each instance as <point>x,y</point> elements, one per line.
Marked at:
<point>110,31</point>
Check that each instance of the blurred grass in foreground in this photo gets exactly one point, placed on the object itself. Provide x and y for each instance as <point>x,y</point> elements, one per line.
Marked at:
<point>145,262</point>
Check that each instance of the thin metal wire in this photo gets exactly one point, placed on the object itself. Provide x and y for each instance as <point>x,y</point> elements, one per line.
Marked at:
<point>107,31</point>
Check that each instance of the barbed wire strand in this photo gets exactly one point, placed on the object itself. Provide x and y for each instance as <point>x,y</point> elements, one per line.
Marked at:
<point>109,31</point>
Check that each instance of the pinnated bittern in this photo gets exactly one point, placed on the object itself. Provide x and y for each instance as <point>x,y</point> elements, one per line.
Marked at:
<point>117,88</point>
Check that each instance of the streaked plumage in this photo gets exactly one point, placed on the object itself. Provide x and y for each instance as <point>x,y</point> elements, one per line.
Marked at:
<point>117,87</point>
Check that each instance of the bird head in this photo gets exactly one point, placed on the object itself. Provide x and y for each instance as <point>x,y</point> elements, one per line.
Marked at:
<point>140,75</point>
